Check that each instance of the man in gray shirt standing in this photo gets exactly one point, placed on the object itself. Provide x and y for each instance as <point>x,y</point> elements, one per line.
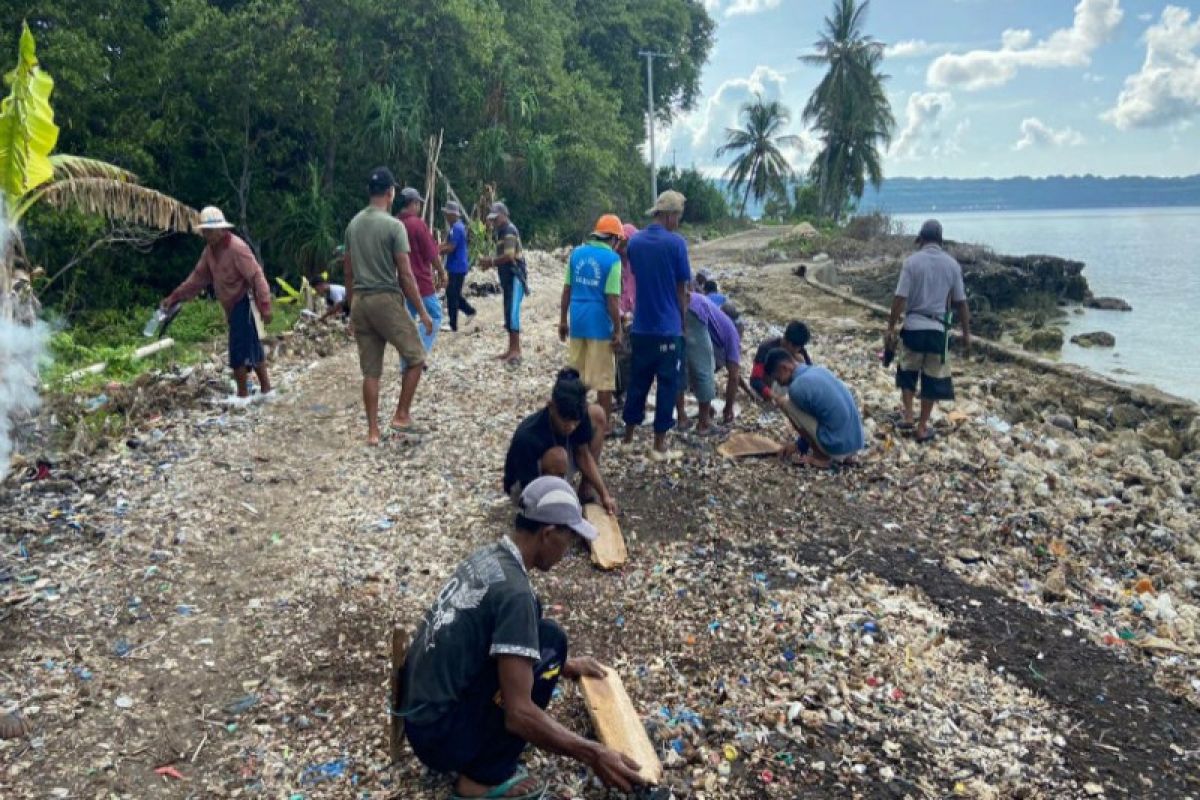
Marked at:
<point>931,284</point>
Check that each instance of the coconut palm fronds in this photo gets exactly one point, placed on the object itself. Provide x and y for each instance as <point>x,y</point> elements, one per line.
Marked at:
<point>122,201</point>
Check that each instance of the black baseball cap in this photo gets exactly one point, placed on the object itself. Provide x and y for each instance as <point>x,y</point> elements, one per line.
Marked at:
<point>381,180</point>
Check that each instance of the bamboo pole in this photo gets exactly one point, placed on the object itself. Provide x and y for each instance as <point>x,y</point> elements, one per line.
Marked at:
<point>141,352</point>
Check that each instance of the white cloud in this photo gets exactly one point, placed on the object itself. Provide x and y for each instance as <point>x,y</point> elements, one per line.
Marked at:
<point>1035,133</point>
<point>1167,89</point>
<point>1145,16</point>
<point>693,138</point>
<point>1094,23</point>
<point>910,48</point>
<point>922,132</point>
<point>737,8</point>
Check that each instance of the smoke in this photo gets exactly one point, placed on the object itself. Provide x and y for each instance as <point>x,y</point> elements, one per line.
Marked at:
<point>23,345</point>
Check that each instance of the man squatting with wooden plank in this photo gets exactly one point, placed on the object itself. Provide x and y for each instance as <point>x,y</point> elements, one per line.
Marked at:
<point>484,663</point>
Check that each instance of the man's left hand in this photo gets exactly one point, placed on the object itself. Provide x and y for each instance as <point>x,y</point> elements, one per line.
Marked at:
<point>583,667</point>
<point>564,330</point>
<point>267,317</point>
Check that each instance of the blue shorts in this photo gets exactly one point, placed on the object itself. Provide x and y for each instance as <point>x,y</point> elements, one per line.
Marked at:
<point>513,291</point>
<point>245,348</point>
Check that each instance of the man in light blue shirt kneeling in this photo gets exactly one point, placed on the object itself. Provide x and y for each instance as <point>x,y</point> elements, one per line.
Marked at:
<point>821,408</point>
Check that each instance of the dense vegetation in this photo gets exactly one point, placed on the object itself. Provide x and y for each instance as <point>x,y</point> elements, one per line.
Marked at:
<point>276,109</point>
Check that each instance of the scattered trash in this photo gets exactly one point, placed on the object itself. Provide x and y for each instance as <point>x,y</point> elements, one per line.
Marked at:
<point>325,772</point>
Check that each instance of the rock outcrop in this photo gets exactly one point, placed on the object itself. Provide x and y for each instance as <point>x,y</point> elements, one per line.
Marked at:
<point>1044,339</point>
<point>1107,303</point>
<point>1095,339</point>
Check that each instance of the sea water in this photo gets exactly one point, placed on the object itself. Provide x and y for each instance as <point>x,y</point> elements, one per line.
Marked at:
<point>1149,257</point>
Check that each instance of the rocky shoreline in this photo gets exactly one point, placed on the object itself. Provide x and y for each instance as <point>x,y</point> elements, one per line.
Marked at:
<point>1019,299</point>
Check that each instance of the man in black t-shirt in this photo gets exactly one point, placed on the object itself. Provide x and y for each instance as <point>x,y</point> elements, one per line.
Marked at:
<point>509,262</point>
<point>563,439</point>
<point>794,341</point>
<point>484,664</point>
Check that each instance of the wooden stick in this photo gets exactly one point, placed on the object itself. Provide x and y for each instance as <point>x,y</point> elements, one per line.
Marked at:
<point>141,352</point>
<point>618,725</point>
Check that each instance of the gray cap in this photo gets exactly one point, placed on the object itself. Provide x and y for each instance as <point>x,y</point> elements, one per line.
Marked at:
<point>410,195</point>
<point>452,207</point>
<point>497,209</point>
<point>931,231</point>
<point>552,501</point>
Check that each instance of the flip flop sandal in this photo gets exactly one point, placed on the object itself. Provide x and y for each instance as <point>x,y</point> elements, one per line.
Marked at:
<point>500,792</point>
<point>927,438</point>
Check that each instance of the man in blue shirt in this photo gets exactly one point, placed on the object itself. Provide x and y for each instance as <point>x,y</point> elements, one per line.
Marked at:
<point>457,267</point>
<point>591,297</point>
<point>820,407</point>
<point>659,260</point>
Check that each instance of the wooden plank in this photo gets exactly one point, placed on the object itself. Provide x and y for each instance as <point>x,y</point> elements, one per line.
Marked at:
<point>395,693</point>
<point>618,725</point>
<point>741,445</point>
<point>608,551</point>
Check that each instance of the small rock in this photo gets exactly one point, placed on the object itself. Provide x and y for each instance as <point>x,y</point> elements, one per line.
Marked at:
<point>1107,304</point>
<point>124,701</point>
<point>1127,415</point>
<point>1095,339</point>
<point>1063,421</point>
<point>969,556</point>
<point>1044,339</point>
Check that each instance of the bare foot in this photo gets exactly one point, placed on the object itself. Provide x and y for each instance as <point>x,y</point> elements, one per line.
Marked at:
<point>373,439</point>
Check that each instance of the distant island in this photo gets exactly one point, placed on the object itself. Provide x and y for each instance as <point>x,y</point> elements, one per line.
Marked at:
<point>919,195</point>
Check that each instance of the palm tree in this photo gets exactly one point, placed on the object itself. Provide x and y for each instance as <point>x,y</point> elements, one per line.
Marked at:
<point>758,166</point>
<point>29,174</point>
<point>849,108</point>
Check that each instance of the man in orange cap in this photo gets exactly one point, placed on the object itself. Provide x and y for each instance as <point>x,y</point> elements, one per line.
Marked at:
<point>590,309</point>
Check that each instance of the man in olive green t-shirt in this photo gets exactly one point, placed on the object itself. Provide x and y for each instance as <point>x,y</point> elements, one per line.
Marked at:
<point>378,278</point>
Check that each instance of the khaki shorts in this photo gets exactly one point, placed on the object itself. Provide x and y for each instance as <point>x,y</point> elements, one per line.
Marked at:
<point>924,361</point>
<point>381,319</point>
<point>595,362</point>
<point>801,419</point>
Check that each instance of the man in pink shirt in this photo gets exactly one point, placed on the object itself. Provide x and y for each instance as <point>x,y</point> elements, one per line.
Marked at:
<point>625,306</point>
<point>228,265</point>
<point>426,263</point>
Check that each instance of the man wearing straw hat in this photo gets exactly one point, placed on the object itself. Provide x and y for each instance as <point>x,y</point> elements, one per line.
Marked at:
<point>228,265</point>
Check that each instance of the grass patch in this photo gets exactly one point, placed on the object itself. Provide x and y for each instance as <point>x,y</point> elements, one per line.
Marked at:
<point>112,337</point>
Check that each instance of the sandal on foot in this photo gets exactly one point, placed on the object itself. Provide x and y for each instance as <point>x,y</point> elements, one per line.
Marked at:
<point>927,438</point>
<point>502,790</point>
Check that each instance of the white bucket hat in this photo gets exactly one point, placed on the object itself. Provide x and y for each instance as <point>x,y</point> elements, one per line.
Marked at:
<point>211,219</point>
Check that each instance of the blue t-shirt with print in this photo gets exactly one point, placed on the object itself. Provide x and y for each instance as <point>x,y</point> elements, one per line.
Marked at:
<point>659,261</point>
<point>593,274</point>
<point>457,264</point>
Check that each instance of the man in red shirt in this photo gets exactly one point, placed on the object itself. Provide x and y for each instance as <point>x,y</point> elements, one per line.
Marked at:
<point>426,263</point>
<point>228,265</point>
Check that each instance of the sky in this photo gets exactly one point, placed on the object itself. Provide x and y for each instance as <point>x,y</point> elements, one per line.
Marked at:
<point>979,88</point>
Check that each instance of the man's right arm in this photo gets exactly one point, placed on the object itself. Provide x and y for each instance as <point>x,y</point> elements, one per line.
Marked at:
<point>194,284</point>
<point>526,721</point>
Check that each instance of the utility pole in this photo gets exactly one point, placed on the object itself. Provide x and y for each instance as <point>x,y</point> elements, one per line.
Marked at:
<point>650,55</point>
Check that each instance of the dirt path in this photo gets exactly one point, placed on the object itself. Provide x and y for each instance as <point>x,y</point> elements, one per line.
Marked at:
<point>219,603</point>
